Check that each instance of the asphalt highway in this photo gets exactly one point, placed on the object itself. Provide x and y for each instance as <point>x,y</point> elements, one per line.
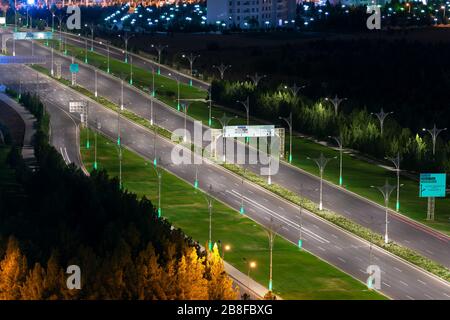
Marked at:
<point>424,240</point>
<point>399,280</point>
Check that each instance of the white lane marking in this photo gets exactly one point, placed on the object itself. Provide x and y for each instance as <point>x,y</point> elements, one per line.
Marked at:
<point>398,269</point>
<point>403,283</point>
<point>341,259</point>
<point>358,258</point>
<point>337,247</point>
<point>62,154</point>
<point>280,217</point>
<point>321,248</point>
<point>67,155</point>
<point>387,285</point>
<point>422,282</point>
<point>249,191</point>
<point>430,252</point>
<point>446,295</point>
<point>428,296</point>
<point>281,208</point>
<point>362,271</point>
<point>409,297</point>
<point>334,236</point>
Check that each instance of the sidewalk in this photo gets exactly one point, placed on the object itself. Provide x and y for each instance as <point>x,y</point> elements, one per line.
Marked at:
<point>30,122</point>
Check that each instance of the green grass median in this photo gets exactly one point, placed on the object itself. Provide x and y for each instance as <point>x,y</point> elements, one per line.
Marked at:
<point>297,274</point>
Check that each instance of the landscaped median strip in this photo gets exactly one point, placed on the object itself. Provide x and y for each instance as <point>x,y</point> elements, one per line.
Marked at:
<point>346,224</point>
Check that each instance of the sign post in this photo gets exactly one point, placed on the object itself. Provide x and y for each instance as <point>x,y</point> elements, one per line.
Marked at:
<point>432,186</point>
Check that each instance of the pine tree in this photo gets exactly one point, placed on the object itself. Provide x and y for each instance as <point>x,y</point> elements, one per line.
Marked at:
<point>220,286</point>
<point>33,288</point>
<point>13,272</point>
<point>149,284</point>
<point>191,281</point>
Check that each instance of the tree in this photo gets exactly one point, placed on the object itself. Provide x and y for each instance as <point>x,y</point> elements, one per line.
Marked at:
<point>191,281</point>
<point>13,271</point>
<point>220,286</point>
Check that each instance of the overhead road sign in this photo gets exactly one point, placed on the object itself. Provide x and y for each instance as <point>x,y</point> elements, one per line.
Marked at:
<point>249,131</point>
<point>23,59</point>
<point>33,35</point>
<point>77,106</point>
<point>432,185</point>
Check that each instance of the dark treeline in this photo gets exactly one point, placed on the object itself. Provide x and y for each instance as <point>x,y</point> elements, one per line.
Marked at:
<point>359,129</point>
<point>63,217</point>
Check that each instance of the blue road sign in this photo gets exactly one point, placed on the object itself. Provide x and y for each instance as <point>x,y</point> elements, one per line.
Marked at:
<point>74,68</point>
<point>432,185</point>
<point>33,35</point>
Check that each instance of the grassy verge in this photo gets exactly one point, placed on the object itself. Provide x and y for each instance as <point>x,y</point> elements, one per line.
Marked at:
<point>358,174</point>
<point>297,274</point>
<point>339,220</point>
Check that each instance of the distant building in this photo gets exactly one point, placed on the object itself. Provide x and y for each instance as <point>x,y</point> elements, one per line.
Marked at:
<point>251,13</point>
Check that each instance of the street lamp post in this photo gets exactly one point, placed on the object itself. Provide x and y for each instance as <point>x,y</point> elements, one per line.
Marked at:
<point>159,48</point>
<point>52,70</point>
<point>271,234</point>
<point>210,106</point>
<point>300,227</point>
<point>336,103</point>
<point>396,161</point>
<point>222,68</point>
<point>341,151</point>
<point>288,120</point>
<point>153,83</point>
<point>209,199</point>
<point>224,120</point>
<point>99,126</point>
<point>91,27</point>
<point>107,49</point>
<point>85,51</point>
<point>381,117</point>
<point>121,94</point>
<point>246,105</point>
<point>159,172</point>
<point>126,37</point>
<point>294,89</point>
<point>191,58</point>
<point>177,78</point>
<point>386,191</point>
<point>250,265</point>
<point>321,162</point>
<point>434,134</point>
<point>256,78</point>
<point>131,70</point>
<point>96,83</point>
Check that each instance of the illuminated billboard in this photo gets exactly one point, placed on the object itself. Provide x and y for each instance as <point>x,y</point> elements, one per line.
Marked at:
<point>249,131</point>
<point>33,35</point>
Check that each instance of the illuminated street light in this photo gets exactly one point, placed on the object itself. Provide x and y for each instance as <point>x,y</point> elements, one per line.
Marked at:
<point>250,265</point>
<point>336,103</point>
<point>121,94</point>
<point>256,78</point>
<point>85,51</point>
<point>341,151</point>
<point>224,120</point>
<point>191,58</point>
<point>386,191</point>
<point>91,27</point>
<point>99,126</point>
<point>159,173</point>
<point>159,48</point>
<point>396,161</point>
<point>246,105</point>
<point>288,120</point>
<point>434,134</point>
<point>125,38</point>
<point>209,199</point>
<point>321,163</point>
<point>177,78</point>
<point>185,106</point>
<point>131,70</point>
<point>271,234</point>
<point>300,227</point>
<point>222,68</point>
<point>381,117</point>
<point>294,90</point>
<point>96,83</point>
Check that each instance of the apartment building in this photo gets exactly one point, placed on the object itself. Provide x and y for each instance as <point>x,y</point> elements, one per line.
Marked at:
<point>251,13</point>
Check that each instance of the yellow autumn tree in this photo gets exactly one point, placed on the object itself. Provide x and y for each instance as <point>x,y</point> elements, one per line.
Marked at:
<point>13,272</point>
<point>220,286</point>
<point>150,280</point>
<point>191,281</point>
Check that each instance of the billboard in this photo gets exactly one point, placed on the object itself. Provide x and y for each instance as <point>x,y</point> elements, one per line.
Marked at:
<point>33,35</point>
<point>77,106</point>
<point>432,185</point>
<point>249,131</point>
<point>2,20</point>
